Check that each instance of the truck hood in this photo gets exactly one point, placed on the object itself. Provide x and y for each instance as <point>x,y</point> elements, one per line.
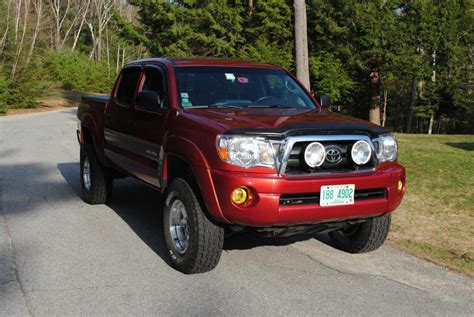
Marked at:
<point>281,121</point>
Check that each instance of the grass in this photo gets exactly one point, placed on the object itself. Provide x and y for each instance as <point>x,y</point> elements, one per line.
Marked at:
<point>436,218</point>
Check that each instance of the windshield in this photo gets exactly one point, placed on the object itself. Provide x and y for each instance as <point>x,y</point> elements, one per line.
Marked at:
<point>239,87</point>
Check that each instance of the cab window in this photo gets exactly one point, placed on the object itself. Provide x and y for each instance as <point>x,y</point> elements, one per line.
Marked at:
<point>128,84</point>
<point>154,81</point>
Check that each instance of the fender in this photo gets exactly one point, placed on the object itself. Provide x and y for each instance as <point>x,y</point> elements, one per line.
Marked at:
<point>191,154</point>
<point>88,122</point>
<point>186,150</point>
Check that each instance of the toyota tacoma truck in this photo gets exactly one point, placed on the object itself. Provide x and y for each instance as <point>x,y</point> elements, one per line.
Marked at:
<point>233,146</point>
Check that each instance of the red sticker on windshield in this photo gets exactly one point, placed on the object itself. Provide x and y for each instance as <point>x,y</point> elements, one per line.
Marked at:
<point>243,80</point>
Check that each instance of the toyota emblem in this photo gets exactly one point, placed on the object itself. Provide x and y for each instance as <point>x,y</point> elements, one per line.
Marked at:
<point>333,155</point>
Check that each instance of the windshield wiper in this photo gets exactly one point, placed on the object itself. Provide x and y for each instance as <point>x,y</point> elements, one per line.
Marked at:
<point>272,106</point>
<point>215,106</point>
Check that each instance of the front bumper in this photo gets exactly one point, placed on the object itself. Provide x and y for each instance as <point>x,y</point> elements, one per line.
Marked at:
<point>266,209</point>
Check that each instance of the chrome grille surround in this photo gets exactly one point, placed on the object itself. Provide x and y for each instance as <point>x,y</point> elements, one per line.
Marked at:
<point>285,147</point>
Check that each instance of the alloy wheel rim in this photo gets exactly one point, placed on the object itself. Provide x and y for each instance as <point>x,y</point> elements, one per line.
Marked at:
<point>86,174</point>
<point>178,226</point>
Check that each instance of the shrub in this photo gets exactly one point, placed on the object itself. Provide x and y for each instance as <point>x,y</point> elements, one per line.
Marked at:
<point>29,85</point>
<point>75,71</point>
<point>3,91</point>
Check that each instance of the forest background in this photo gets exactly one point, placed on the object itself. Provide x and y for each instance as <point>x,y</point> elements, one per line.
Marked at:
<point>403,64</point>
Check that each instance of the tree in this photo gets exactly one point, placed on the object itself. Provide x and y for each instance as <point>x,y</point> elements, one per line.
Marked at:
<point>376,26</point>
<point>332,58</point>
<point>269,40</point>
<point>38,5</point>
<point>376,59</point>
<point>25,5</point>
<point>218,28</point>
<point>99,17</point>
<point>301,42</point>
<point>60,11</point>
<point>4,23</point>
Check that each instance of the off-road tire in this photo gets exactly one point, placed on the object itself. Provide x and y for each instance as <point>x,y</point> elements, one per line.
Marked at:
<point>206,239</point>
<point>101,181</point>
<point>365,237</point>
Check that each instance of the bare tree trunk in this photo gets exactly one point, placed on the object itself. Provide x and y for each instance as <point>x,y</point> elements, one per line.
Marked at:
<point>108,52</point>
<point>101,13</point>
<point>3,41</point>
<point>374,107</point>
<point>385,100</point>
<point>118,59</point>
<point>99,45</point>
<point>438,129</point>
<point>91,29</point>
<point>430,127</point>
<point>123,56</point>
<point>411,105</point>
<point>77,16</point>
<point>38,4</point>
<point>84,11</point>
<point>51,37</point>
<point>433,79</point>
<point>301,43</point>
<point>17,18</point>
<point>22,39</point>
<point>59,17</point>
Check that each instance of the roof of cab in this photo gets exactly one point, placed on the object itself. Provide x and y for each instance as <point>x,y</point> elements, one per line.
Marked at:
<point>204,62</point>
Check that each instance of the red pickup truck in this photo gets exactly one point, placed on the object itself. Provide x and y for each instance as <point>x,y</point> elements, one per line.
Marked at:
<point>236,146</point>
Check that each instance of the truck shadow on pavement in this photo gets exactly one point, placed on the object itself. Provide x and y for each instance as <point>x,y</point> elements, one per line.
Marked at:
<point>140,207</point>
<point>137,205</point>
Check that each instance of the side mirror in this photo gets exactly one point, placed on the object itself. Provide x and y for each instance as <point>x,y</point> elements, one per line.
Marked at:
<point>148,100</point>
<point>324,101</point>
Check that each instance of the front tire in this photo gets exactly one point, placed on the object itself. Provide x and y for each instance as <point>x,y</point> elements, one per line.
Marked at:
<point>193,241</point>
<point>96,181</point>
<point>363,237</point>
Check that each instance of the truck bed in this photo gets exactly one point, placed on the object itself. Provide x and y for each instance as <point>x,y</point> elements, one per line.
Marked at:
<point>96,98</point>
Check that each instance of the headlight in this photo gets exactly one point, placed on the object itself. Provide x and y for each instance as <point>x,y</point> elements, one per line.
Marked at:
<point>387,149</point>
<point>361,152</point>
<point>245,151</point>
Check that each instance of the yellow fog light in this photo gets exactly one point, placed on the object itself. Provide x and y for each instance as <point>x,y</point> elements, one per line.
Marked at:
<point>400,185</point>
<point>241,195</point>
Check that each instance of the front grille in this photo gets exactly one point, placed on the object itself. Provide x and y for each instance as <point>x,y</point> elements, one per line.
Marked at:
<point>339,163</point>
<point>313,198</point>
<point>296,163</point>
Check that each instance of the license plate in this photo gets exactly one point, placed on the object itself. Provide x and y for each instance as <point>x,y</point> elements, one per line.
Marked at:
<point>337,195</point>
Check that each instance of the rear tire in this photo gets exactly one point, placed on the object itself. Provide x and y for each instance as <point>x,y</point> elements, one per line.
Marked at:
<point>363,237</point>
<point>193,241</point>
<point>96,181</point>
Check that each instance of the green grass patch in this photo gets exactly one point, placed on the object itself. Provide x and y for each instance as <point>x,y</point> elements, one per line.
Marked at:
<point>436,218</point>
<point>440,254</point>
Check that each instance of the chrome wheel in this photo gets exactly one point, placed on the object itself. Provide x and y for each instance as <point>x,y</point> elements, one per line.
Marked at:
<point>86,174</point>
<point>179,226</point>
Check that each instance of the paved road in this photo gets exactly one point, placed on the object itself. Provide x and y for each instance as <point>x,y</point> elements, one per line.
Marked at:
<point>60,256</point>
